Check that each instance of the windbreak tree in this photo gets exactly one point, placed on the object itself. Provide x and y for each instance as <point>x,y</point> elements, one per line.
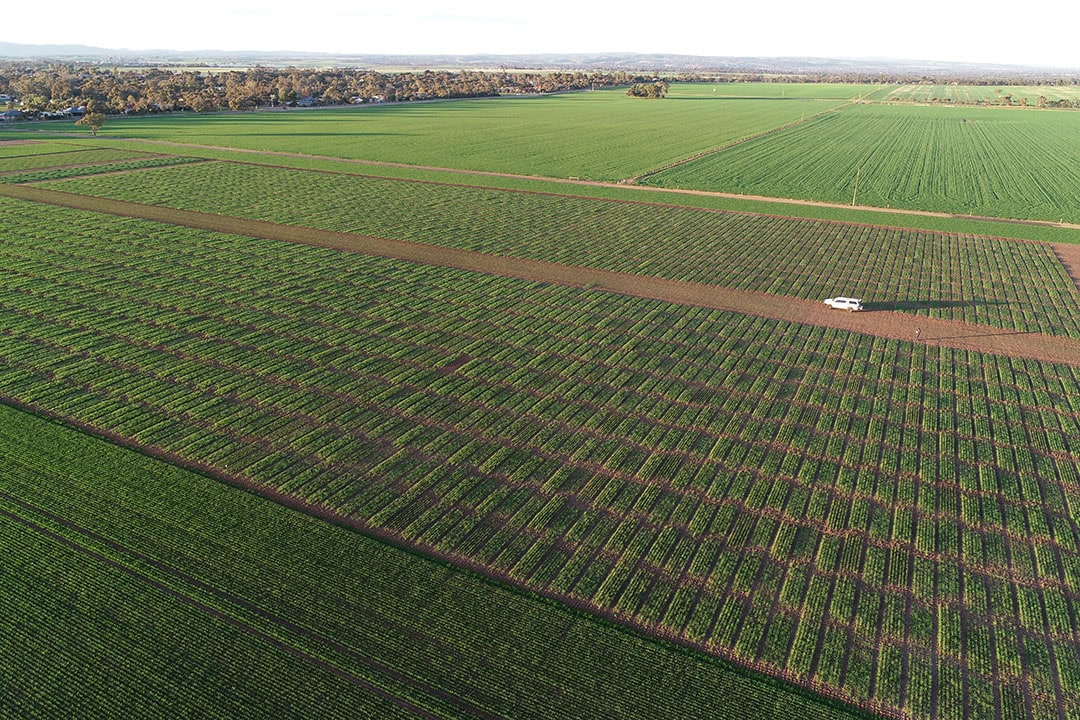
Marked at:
<point>92,120</point>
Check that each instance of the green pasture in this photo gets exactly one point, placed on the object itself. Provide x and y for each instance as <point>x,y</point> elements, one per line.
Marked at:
<point>1006,163</point>
<point>777,91</point>
<point>601,135</point>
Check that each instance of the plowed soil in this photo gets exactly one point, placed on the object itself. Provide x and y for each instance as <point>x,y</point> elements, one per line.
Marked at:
<point>810,312</point>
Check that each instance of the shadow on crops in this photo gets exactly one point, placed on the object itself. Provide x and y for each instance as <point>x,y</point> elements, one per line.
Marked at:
<point>310,134</point>
<point>738,97</point>
<point>915,305</point>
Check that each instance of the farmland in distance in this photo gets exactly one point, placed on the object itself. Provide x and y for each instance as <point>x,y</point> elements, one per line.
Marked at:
<point>613,137</point>
<point>988,94</point>
<point>999,162</point>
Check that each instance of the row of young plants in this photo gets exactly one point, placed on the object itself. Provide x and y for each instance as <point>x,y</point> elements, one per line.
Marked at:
<point>786,425</point>
<point>989,281</point>
<point>711,477</point>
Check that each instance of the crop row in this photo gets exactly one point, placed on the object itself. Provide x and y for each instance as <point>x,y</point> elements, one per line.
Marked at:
<point>992,162</point>
<point>734,482</point>
<point>982,280</point>
<point>97,169</point>
<point>74,157</point>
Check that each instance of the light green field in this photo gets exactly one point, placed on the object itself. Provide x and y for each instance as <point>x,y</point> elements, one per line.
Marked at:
<point>981,161</point>
<point>991,94</point>
<point>981,280</point>
<point>778,91</point>
<point>937,223</point>
<point>601,135</point>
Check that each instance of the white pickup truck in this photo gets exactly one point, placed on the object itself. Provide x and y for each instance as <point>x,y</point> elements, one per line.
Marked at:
<point>844,303</point>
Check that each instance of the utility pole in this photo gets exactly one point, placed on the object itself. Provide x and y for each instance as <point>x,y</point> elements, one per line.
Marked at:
<point>855,192</point>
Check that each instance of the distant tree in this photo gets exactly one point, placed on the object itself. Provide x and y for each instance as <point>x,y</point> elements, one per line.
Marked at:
<point>92,120</point>
<point>654,90</point>
<point>34,102</point>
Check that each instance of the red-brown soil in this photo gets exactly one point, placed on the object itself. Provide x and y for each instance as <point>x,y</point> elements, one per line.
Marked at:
<point>810,312</point>
<point>1069,255</point>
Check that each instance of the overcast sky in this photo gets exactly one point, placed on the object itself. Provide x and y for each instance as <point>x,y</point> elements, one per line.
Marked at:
<point>1037,32</point>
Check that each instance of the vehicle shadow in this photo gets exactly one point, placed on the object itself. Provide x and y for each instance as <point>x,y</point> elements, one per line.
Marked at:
<point>910,305</point>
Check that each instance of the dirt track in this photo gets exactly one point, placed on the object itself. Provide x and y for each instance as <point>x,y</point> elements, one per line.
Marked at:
<point>810,312</point>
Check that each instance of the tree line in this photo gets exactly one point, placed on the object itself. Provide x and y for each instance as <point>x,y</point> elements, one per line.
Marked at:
<point>52,87</point>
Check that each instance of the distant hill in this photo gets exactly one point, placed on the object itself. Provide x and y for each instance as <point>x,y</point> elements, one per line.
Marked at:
<point>636,62</point>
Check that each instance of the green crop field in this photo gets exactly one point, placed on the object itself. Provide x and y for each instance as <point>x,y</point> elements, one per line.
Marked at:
<point>600,135</point>
<point>248,478</point>
<point>13,150</point>
<point>745,486</point>
<point>988,94</point>
<point>987,281</point>
<point>148,586</point>
<point>38,160</point>
<point>996,162</point>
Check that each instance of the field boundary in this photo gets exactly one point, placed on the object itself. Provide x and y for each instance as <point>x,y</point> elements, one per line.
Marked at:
<point>880,323</point>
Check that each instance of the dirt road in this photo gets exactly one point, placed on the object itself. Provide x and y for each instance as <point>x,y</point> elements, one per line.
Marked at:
<point>810,312</point>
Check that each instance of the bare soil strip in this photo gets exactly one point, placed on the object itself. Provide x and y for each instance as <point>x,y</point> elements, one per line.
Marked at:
<point>947,333</point>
